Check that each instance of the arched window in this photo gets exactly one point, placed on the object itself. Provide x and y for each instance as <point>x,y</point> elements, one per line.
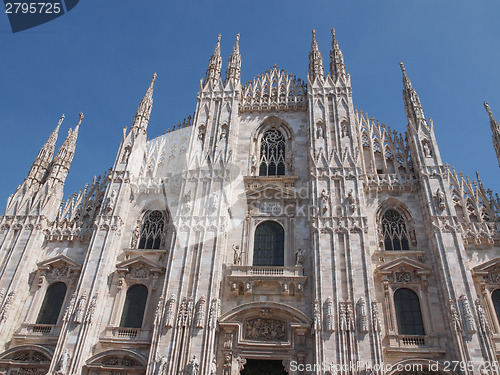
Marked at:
<point>152,230</point>
<point>272,153</point>
<point>495,296</point>
<point>408,312</point>
<point>269,244</point>
<point>394,231</point>
<point>135,304</point>
<point>52,303</point>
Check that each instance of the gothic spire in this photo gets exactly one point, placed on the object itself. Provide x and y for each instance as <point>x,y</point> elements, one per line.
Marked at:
<point>62,161</point>
<point>495,129</point>
<point>214,65</point>
<point>337,66</point>
<point>315,59</point>
<point>141,118</point>
<point>234,63</point>
<point>39,167</point>
<point>413,108</point>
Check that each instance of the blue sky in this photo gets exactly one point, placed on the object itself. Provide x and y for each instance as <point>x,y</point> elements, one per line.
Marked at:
<point>99,59</point>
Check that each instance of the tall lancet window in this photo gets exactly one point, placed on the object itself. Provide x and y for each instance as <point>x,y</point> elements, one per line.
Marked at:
<point>408,313</point>
<point>269,244</point>
<point>495,296</point>
<point>135,304</point>
<point>52,303</point>
<point>152,230</point>
<point>394,231</point>
<point>272,153</point>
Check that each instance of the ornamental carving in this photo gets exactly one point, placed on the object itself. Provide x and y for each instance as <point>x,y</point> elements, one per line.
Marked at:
<point>402,277</point>
<point>120,361</point>
<point>493,276</point>
<point>139,272</point>
<point>265,330</point>
<point>30,357</point>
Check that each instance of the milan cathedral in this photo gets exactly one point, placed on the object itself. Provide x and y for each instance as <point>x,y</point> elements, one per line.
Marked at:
<point>278,230</point>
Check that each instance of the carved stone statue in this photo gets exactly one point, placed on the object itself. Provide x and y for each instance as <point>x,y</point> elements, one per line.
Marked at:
<point>253,162</point>
<point>223,133</point>
<point>237,255</point>
<point>427,150</point>
<point>467,315</point>
<point>455,319</point>
<point>63,363</point>
<point>299,257</point>
<point>316,315</point>
<point>324,201</point>
<point>201,133</point>
<point>111,201</point>
<point>194,366</point>
<point>362,316</point>
<point>162,366</point>
<point>440,199</point>
<point>79,313</point>
<point>351,200</point>
<point>344,130</point>
<point>329,315</point>
<point>213,367</point>
<point>483,321</point>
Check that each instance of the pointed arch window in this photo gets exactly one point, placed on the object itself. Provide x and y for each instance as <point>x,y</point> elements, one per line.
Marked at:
<point>495,297</point>
<point>269,244</point>
<point>152,230</point>
<point>394,231</point>
<point>52,304</point>
<point>134,307</point>
<point>408,313</point>
<point>272,153</point>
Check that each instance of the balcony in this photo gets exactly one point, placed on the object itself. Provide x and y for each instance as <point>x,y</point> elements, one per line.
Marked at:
<point>126,335</point>
<point>259,279</point>
<point>37,333</point>
<point>413,344</point>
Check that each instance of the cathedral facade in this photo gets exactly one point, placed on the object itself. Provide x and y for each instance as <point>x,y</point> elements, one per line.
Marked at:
<point>276,231</point>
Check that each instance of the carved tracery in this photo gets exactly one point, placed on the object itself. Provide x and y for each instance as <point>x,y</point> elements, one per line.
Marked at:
<point>272,153</point>
<point>152,232</point>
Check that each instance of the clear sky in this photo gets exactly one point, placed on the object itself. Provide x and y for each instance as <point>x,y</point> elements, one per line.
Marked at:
<point>99,59</point>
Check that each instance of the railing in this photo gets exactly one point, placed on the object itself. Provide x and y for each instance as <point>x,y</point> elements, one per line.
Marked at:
<point>44,329</point>
<point>128,332</point>
<point>266,271</point>
<point>413,340</point>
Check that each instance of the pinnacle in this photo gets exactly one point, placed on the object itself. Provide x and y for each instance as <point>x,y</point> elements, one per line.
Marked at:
<point>314,44</point>
<point>217,46</point>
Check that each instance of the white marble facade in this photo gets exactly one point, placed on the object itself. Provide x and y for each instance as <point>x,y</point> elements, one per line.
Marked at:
<point>278,223</point>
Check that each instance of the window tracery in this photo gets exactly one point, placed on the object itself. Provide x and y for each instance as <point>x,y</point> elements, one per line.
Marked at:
<point>394,231</point>
<point>272,153</point>
<point>151,234</point>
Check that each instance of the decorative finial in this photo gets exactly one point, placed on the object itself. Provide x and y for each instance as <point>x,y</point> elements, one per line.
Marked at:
<point>402,67</point>
<point>488,109</point>
<point>154,76</point>
<point>314,33</point>
<point>81,118</point>
<point>60,120</point>
<point>333,32</point>
<point>218,38</point>
<point>237,37</point>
